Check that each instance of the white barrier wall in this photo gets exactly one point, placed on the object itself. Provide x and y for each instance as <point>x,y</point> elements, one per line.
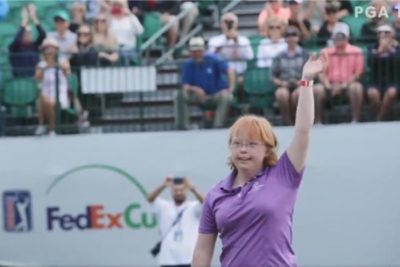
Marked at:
<point>84,205</point>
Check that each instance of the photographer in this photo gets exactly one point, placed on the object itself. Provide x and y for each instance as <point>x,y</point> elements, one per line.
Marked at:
<point>178,221</point>
<point>231,46</point>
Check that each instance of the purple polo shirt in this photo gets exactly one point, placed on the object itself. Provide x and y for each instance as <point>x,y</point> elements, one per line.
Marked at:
<point>254,221</point>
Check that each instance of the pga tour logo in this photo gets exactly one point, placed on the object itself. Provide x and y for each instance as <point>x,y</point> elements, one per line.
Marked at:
<point>17,211</point>
<point>371,12</point>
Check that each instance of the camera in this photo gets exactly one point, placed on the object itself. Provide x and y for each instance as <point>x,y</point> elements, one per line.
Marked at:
<point>229,24</point>
<point>178,180</point>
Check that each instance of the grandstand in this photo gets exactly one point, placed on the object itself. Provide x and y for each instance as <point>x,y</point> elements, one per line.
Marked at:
<point>149,109</point>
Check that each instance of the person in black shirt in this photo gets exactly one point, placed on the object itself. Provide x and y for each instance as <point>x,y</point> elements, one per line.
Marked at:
<point>383,61</point>
<point>296,20</point>
<point>24,51</point>
<point>368,30</point>
<point>325,32</point>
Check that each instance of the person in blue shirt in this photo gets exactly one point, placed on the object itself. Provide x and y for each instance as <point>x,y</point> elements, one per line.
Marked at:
<point>205,77</point>
<point>4,8</point>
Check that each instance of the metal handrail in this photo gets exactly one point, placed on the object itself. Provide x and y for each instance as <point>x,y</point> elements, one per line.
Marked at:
<point>192,33</point>
<point>164,29</point>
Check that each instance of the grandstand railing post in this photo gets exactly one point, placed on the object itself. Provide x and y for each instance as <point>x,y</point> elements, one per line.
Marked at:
<point>58,111</point>
<point>141,111</point>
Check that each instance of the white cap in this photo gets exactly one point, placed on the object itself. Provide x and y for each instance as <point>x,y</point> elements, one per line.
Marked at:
<point>342,28</point>
<point>196,43</point>
<point>385,28</point>
<point>49,41</point>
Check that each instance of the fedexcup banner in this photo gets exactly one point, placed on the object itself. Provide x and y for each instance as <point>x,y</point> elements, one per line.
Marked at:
<point>81,200</point>
<point>88,212</point>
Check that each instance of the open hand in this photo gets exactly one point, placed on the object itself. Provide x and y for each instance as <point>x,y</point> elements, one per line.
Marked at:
<point>314,66</point>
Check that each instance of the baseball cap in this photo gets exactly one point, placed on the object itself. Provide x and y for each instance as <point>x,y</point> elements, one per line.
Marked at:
<point>196,43</point>
<point>385,28</point>
<point>61,14</point>
<point>49,41</point>
<point>341,31</point>
<point>298,2</point>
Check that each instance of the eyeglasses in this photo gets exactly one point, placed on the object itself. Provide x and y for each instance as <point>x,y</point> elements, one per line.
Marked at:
<point>83,33</point>
<point>274,27</point>
<point>250,145</point>
<point>385,32</point>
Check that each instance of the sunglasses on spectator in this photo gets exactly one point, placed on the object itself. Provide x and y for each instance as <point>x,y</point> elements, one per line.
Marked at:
<point>100,20</point>
<point>385,32</point>
<point>272,27</point>
<point>291,34</point>
<point>83,33</point>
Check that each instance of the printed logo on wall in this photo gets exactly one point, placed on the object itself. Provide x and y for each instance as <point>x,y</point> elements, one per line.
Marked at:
<point>97,216</point>
<point>17,211</point>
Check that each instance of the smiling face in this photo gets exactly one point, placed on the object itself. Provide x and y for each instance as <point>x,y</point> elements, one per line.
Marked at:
<point>252,144</point>
<point>247,152</point>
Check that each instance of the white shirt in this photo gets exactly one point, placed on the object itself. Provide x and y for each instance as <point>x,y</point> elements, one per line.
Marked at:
<point>178,245</point>
<point>48,84</point>
<point>267,50</point>
<point>125,30</point>
<point>65,42</point>
<point>232,51</point>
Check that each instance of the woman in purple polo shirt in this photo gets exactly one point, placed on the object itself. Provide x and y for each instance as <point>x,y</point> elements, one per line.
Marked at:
<point>252,209</point>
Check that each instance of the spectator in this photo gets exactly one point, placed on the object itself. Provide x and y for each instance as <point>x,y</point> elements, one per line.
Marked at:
<point>396,23</point>
<point>4,8</point>
<point>297,19</point>
<point>126,28</point>
<point>272,45</point>
<point>368,30</point>
<point>78,12</point>
<point>92,8</point>
<point>272,9</point>
<point>178,221</point>
<point>103,39</point>
<point>384,66</point>
<point>203,78</point>
<point>344,70</point>
<point>345,7</point>
<point>46,76</point>
<point>286,72</point>
<point>315,10</point>
<point>85,53</point>
<point>66,39</point>
<point>331,22</point>
<point>24,52</point>
<point>235,48</point>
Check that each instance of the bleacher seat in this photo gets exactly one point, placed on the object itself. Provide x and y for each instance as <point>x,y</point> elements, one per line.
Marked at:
<point>259,88</point>
<point>151,23</point>
<point>20,96</point>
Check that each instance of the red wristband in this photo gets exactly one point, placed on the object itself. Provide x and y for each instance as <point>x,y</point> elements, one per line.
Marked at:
<point>306,83</point>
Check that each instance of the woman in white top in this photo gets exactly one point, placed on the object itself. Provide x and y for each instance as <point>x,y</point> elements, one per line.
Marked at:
<point>125,26</point>
<point>271,46</point>
<point>46,75</point>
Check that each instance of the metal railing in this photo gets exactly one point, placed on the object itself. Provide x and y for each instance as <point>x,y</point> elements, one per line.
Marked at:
<point>136,98</point>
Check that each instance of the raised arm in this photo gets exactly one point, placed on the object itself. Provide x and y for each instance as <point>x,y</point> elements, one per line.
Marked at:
<point>297,151</point>
<point>199,196</point>
<point>204,250</point>
<point>153,195</point>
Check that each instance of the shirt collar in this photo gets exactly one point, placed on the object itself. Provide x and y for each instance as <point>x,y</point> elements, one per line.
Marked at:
<point>226,185</point>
